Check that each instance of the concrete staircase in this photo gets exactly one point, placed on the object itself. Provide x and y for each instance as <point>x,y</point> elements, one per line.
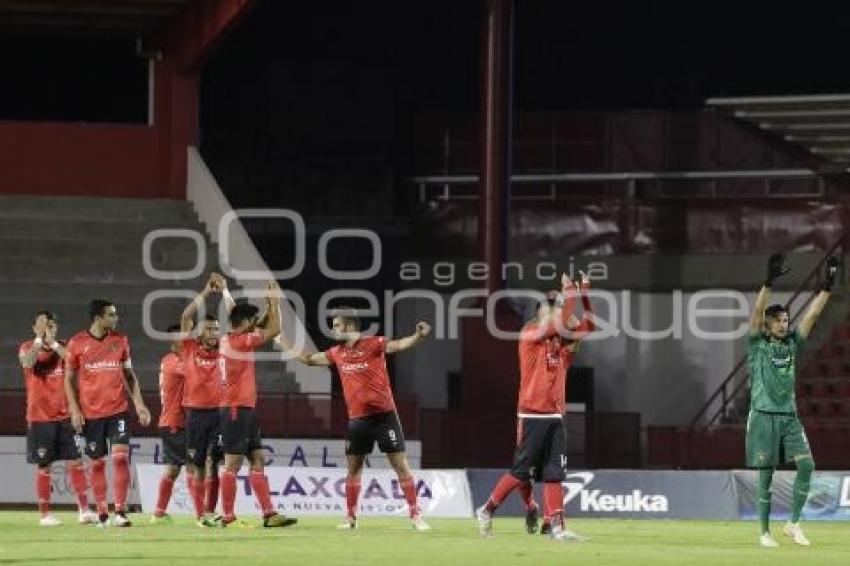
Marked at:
<point>58,253</point>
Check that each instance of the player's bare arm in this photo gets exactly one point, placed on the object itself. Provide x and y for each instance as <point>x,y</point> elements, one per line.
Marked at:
<point>187,317</point>
<point>306,358</point>
<point>30,356</point>
<point>817,305</point>
<point>272,326</point>
<point>220,285</point>
<point>72,393</point>
<point>136,395</point>
<point>775,269</point>
<point>423,329</point>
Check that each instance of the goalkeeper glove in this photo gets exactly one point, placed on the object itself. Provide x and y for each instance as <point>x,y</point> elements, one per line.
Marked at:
<point>775,268</point>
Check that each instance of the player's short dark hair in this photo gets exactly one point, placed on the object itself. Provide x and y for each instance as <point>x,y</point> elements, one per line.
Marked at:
<point>242,312</point>
<point>775,310</point>
<point>172,328</point>
<point>210,318</point>
<point>98,306</point>
<point>49,315</point>
<point>348,315</point>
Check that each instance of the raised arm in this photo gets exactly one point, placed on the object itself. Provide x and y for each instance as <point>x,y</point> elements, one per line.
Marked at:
<point>775,268</point>
<point>272,324</point>
<point>423,329</point>
<point>587,323</point>
<point>220,285</point>
<point>29,357</point>
<point>811,316</point>
<point>187,317</point>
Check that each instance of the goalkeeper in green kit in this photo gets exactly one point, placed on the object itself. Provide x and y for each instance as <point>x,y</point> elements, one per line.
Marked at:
<point>774,433</point>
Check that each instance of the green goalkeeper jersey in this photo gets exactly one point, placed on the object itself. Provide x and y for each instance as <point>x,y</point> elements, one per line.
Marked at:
<point>771,364</point>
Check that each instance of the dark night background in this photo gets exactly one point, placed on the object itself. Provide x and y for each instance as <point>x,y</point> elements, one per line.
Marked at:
<point>419,56</point>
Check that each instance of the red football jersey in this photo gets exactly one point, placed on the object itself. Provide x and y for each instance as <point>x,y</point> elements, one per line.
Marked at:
<point>202,368</point>
<point>171,379</point>
<point>99,364</point>
<point>46,400</point>
<point>363,373</point>
<point>543,375</point>
<point>543,364</point>
<point>240,382</point>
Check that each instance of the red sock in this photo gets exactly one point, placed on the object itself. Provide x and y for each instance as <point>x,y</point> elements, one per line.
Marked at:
<point>42,490</point>
<point>352,494</point>
<point>120,478</point>
<point>98,485</point>
<point>506,484</point>
<point>526,490</point>
<point>228,493</point>
<point>166,485</point>
<point>260,485</point>
<point>553,501</point>
<point>210,494</point>
<point>196,490</point>
<point>78,482</point>
<point>408,487</point>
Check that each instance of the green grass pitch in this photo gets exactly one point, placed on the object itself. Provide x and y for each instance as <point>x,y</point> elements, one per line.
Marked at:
<point>392,542</point>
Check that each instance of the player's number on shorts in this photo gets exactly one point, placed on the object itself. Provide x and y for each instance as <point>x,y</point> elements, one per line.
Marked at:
<point>392,436</point>
<point>121,426</point>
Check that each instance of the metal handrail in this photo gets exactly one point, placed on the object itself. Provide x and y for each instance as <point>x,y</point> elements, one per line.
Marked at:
<point>625,176</point>
<point>424,181</point>
<point>726,399</point>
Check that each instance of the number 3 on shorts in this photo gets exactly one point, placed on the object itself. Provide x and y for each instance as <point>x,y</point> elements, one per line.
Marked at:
<point>121,426</point>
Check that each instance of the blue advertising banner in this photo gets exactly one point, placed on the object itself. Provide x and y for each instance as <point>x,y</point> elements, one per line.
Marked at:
<point>629,494</point>
<point>829,496</point>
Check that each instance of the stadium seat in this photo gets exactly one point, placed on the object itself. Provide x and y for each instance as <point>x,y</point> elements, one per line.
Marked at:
<point>842,333</point>
<point>819,388</point>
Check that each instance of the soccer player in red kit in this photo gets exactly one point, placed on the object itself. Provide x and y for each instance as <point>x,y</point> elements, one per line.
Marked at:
<point>547,346</point>
<point>203,364</point>
<point>98,375</point>
<point>240,431</point>
<point>50,436</point>
<point>172,423</point>
<point>362,365</point>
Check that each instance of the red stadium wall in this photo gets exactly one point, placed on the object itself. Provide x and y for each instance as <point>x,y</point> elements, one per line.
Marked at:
<point>108,160</point>
<point>80,159</point>
<point>115,160</point>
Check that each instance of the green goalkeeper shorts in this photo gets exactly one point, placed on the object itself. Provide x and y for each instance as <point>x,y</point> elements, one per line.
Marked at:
<point>774,438</point>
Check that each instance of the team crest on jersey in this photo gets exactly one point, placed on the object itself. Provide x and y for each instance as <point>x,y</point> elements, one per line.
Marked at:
<point>191,453</point>
<point>42,452</point>
<point>762,456</point>
<point>92,446</point>
<point>114,347</point>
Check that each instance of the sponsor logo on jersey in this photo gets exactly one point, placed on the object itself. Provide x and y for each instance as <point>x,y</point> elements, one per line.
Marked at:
<point>354,366</point>
<point>98,366</point>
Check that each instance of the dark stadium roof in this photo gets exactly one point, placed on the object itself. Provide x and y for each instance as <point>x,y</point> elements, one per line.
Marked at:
<point>819,122</point>
<point>90,17</point>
